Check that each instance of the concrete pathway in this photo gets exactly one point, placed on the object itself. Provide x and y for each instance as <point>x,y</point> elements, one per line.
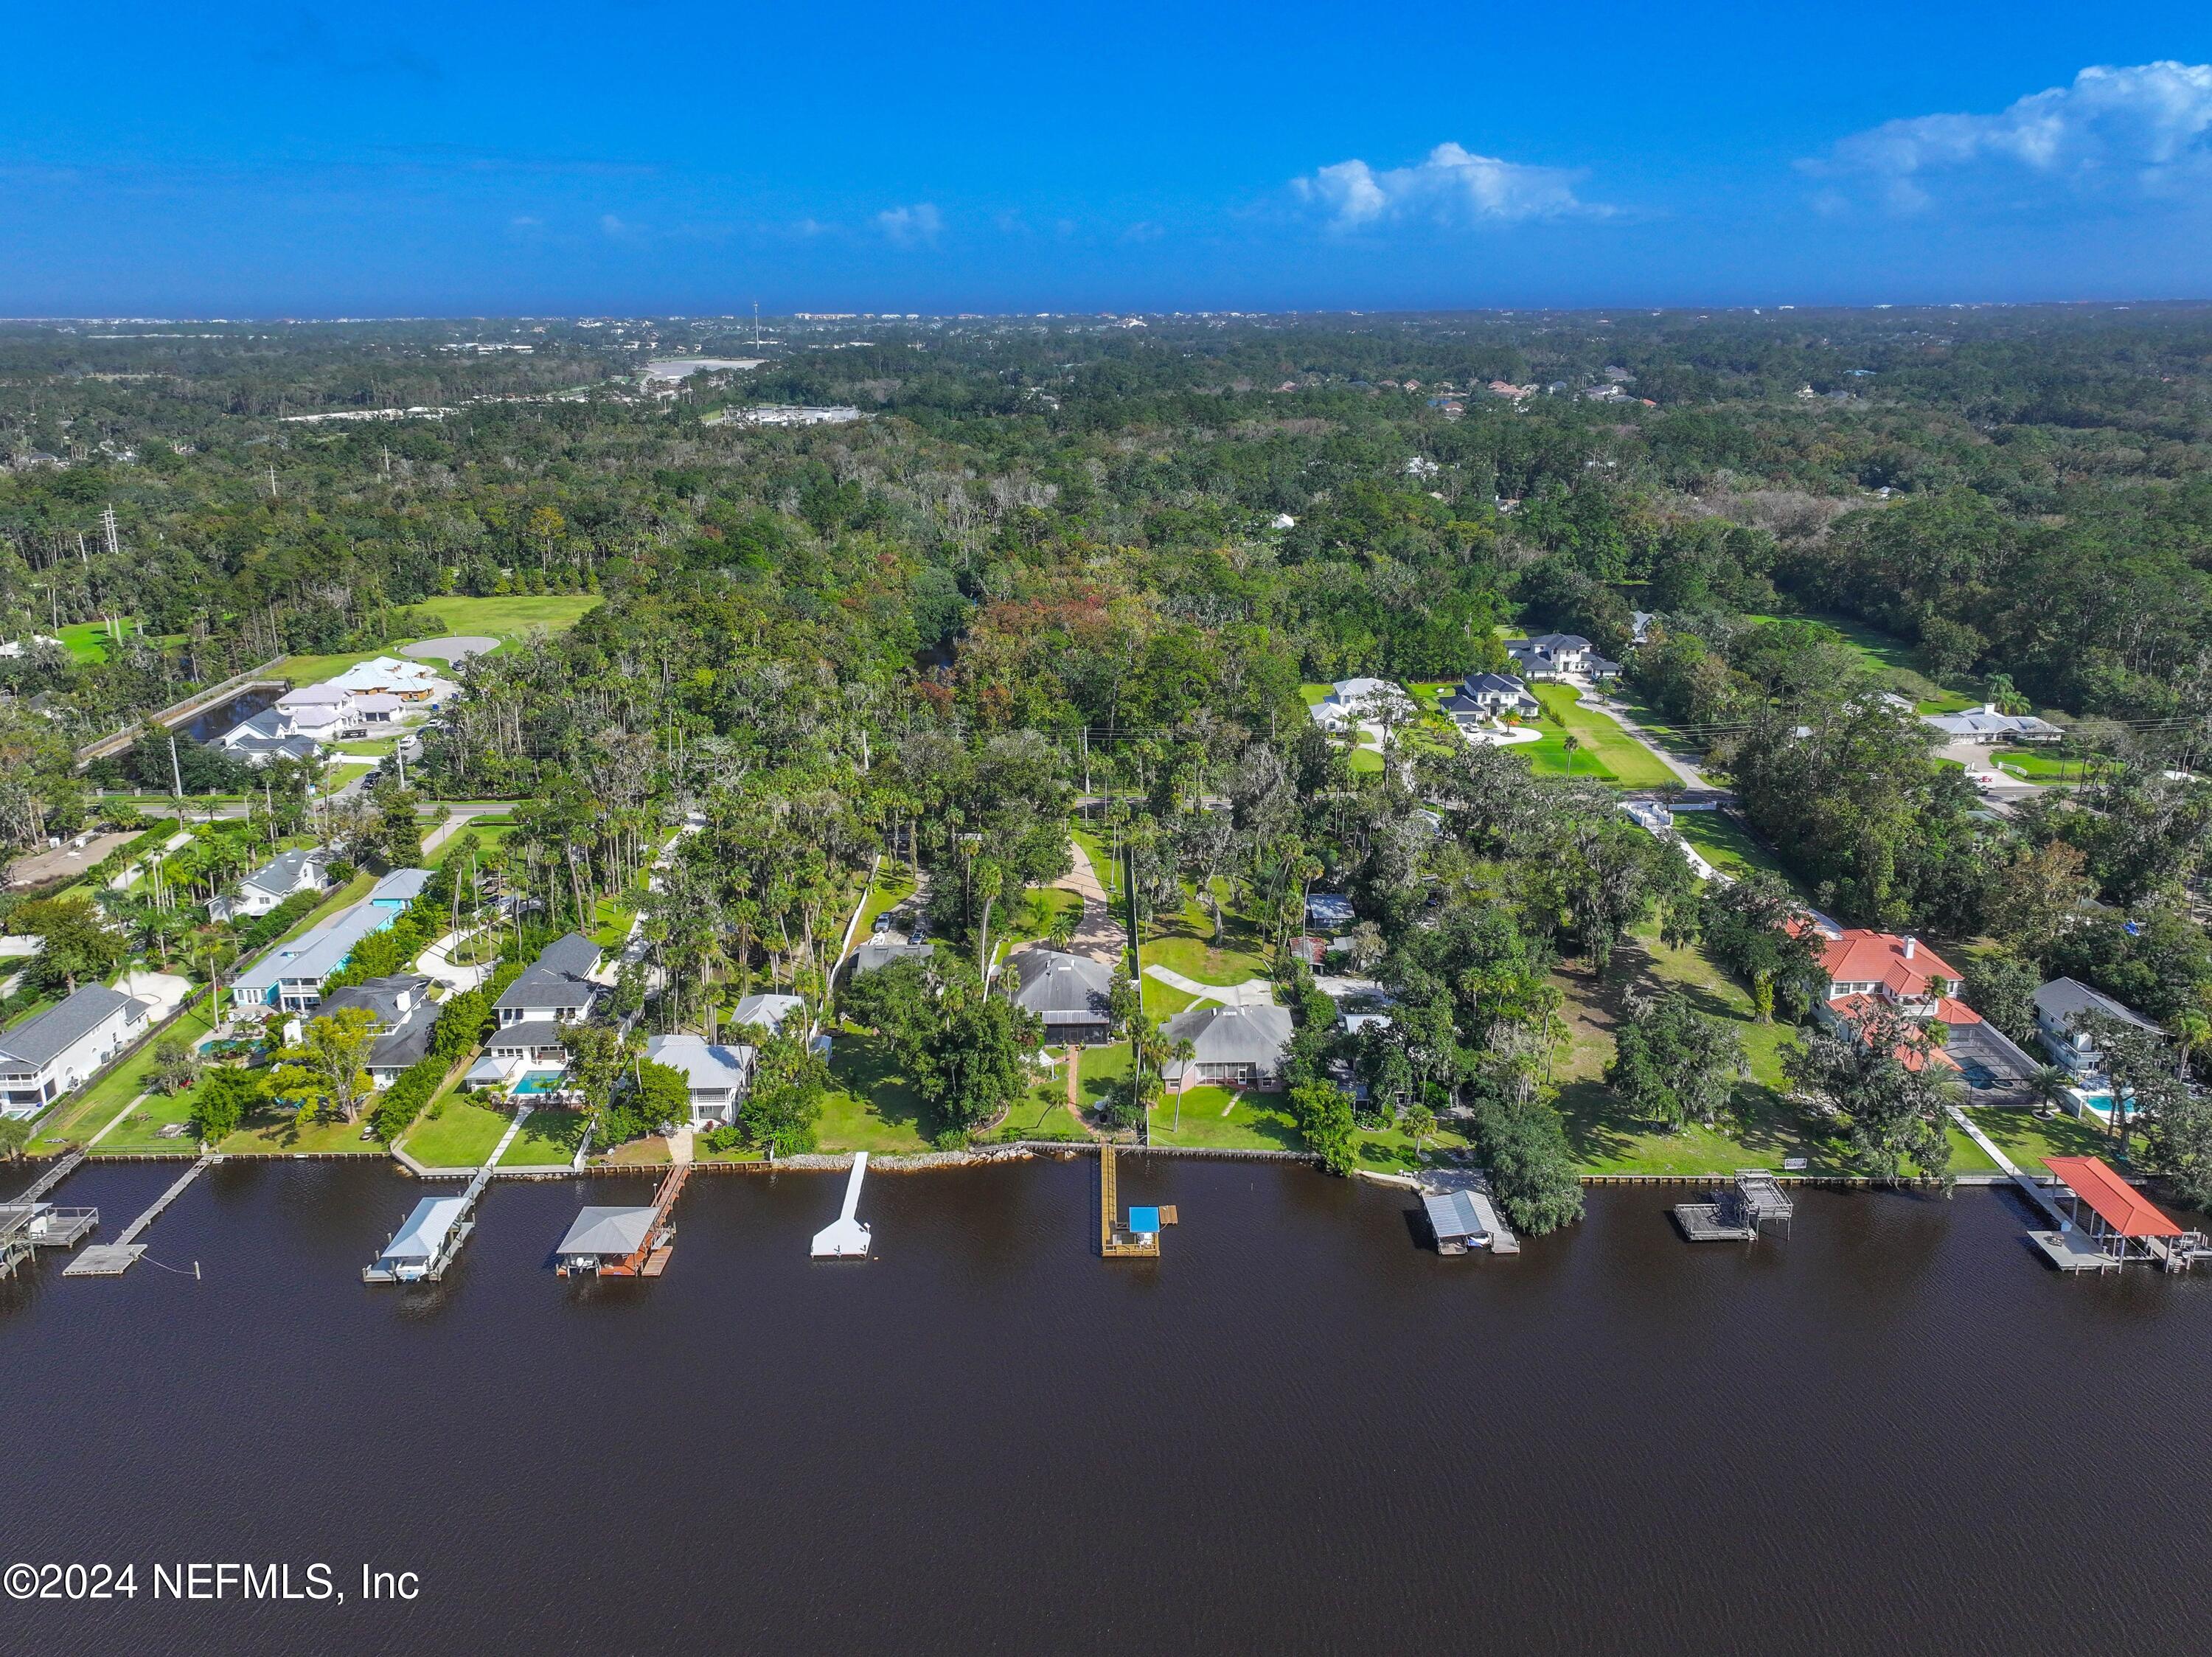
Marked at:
<point>115,1122</point>
<point>680,1150</point>
<point>514,1128</point>
<point>1690,775</point>
<point>437,962</point>
<point>1097,935</point>
<point>1253,992</point>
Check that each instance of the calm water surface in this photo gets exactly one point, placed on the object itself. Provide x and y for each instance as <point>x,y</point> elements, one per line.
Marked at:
<point>1298,1430</point>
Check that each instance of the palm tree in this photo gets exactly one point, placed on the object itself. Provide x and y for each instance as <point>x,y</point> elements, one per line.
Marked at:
<point>1570,743</point>
<point>2047,1088</point>
<point>2188,1027</point>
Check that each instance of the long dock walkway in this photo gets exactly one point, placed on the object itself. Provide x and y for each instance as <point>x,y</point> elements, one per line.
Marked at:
<point>113,1259</point>
<point>52,1177</point>
<point>2027,1182</point>
<point>1113,1241</point>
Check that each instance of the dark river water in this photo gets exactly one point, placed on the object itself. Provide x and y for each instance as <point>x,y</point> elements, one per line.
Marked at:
<point>1298,1430</point>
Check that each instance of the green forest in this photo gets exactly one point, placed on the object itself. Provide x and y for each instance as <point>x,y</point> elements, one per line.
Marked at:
<point>1029,572</point>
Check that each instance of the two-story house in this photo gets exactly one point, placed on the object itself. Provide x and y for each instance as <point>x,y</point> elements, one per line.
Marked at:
<point>1492,695</point>
<point>715,1075</point>
<point>1560,655</point>
<point>301,869</point>
<point>556,989</point>
<point>46,1056</point>
<point>403,1015</point>
<point>2060,1007</point>
<point>1866,970</point>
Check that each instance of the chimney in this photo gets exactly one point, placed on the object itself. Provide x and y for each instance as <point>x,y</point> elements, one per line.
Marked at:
<point>1909,945</point>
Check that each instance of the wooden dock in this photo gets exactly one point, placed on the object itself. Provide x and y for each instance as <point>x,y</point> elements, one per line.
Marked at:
<point>45,1182</point>
<point>1737,1215</point>
<point>113,1259</point>
<point>1113,1241</point>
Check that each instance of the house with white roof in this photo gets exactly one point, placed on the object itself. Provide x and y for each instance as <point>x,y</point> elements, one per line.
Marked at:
<point>716,1076</point>
<point>414,682</point>
<point>1560,655</point>
<point>48,1054</point>
<point>1363,702</point>
<point>289,975</point>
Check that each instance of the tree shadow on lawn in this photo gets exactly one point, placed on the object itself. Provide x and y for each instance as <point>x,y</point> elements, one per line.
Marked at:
<point>862,1063</point>
<point>555,1126</point>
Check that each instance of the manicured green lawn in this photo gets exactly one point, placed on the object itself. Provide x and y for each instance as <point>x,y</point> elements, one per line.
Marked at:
<point>2027,1139</point>
<point>1042,1113</point>
<point>1103,865</point>
<point>2038,764</point>
<point>650,1151</point>
<point>1767,1127</point>
<point>461,1135</point>
<point>877,1110</point>
<point>1216,1118</point>
<point>1606,750</point>
<point>548,1137</point>
<point>1185,944</point>
<point>88,640</point>
<point>497,617</point>
<point>1725,845</point>
<point>1387,1150</point>
<point>75,1120</point>
<point>337,775</point>
<point>141,1129</point>
<point>277,1131</point>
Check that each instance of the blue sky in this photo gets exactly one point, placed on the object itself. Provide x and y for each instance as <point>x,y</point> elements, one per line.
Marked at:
<point>629,156</point>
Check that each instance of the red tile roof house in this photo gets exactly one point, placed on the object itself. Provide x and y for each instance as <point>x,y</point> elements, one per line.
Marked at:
<point>1867,968</point>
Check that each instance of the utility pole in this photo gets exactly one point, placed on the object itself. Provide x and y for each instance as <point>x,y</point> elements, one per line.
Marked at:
<point>272,480</point>
<point>176,772</point>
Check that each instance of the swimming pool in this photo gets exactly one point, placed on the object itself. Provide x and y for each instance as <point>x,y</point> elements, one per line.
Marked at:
<point>540,1081</point>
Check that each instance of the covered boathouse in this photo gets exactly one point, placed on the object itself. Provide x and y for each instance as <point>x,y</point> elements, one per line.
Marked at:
<point>2108,1223</point>
<point>423,1247</point>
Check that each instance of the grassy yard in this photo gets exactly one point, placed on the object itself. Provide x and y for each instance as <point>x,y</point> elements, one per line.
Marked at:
<point>1387,1150</point>
<point>1042,1113</point>
<point>1184,944</point>
<point>277,1131</point>
<point>1725,844</point>
<point>1895,661</point>
<point>456,1132</point>
<point>1767,1127</point>
<point>1217,1119</point>
<point>877,1109</point>
<point>88,640</point>
<point>2040,764</point>
<point>141,1131</point>
<point>75,1119</point>
<point>2027,1139</point>
<point>1102,862</point>
<point>548,1138</point>
<point>502,619</point>
<point>344,771</point>
<point>1607,751</point>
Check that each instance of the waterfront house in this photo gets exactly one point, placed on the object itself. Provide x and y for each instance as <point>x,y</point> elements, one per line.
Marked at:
<point>1235,1046</point>
<point>1867,969</point>
<point>717,1076</point>
<point>48,1054</point>
<point>301,869</point>
<point>557,988</point>
<point>403,1014</point>
<point>1067,992</point>
<point>2060,1006</point>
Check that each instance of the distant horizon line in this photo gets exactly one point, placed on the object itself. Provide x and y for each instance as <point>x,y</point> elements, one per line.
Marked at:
<point>1230,314</point>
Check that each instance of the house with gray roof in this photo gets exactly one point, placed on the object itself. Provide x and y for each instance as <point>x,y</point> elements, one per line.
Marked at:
<point>1068,992</point>
<point>1491,696</point>
<point>300,869</point>
<point>881,952</point>
<point>1235,1046</point>
<point>1559,656</point>
<point>50,1053</point>
<point>768,1012</point>
<point>557,988</point>
<point>405,1018</point>
<point>2060,1006</point>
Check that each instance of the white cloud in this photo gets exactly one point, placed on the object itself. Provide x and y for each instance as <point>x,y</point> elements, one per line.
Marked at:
<point>1450,186</point>
<point>2144,131</point>
<point>908,226</point>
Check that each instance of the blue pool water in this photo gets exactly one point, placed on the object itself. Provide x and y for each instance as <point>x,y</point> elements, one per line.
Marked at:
<point>539,1081</point>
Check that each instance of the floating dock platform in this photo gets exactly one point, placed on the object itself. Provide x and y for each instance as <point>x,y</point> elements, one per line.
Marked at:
<point>113,1259</point>
<point>845,1238</point>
